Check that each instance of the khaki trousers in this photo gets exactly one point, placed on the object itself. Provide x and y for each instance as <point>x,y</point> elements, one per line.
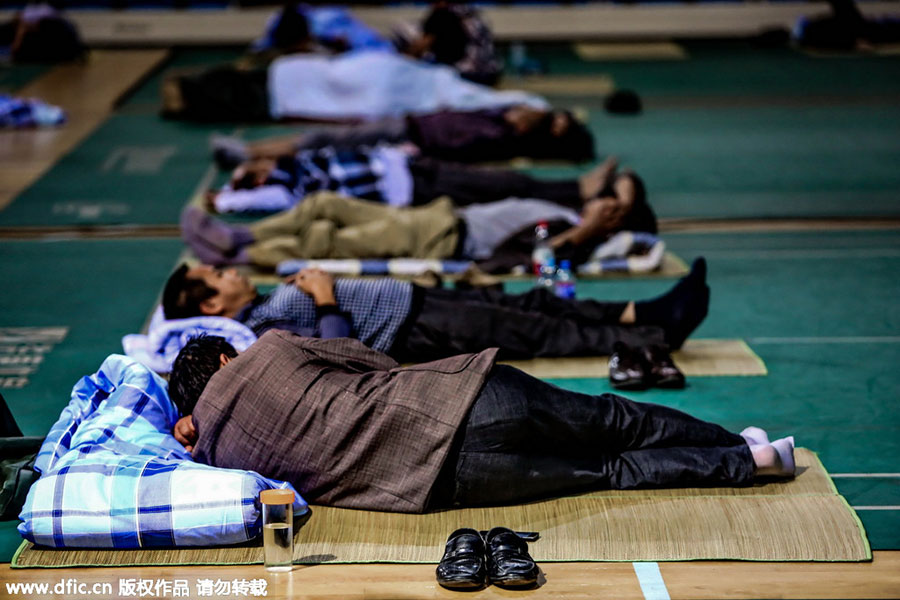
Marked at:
<point>328,225</point>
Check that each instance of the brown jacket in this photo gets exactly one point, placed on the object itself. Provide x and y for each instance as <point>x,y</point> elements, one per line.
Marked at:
<point>344,424</point>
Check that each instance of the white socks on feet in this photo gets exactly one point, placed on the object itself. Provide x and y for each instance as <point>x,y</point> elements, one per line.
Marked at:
<point>785,449</point>
<point>755,436</point>
<point>775,459</point>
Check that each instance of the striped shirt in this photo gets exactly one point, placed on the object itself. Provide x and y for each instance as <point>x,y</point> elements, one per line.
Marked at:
<point>377,309</point>
<point>380,174</point>
<point>348,172</point>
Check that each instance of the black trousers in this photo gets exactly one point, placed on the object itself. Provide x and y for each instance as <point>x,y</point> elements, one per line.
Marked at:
<point>534,324</point>
<point>526,439</point>
<point>471,185</point>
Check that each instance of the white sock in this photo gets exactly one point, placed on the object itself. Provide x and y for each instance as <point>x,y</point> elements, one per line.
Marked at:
<point>785,449</point>
<point>755,436</point>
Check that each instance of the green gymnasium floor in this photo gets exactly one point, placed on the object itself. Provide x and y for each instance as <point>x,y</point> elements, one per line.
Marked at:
<point>14,78</point>
<point>732,132</point>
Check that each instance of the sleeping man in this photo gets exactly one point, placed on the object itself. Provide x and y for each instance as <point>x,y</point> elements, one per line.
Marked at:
<point>412,323</point>
<point>348,427</point>
<point>498,234</point>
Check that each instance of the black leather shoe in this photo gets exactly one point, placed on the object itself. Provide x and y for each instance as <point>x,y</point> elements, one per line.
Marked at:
<point>508,561</point>
<point>661,370</point>
<point>463,564</point>
<point>627,369</point>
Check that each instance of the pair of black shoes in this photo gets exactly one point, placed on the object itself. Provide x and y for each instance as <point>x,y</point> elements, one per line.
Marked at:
<point>640,368</point>
<point>472,560</point>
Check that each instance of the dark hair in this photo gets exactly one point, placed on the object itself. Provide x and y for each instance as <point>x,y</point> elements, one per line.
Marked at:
<point>182,296</point>
<point>246,182</point>
<point>450,37</point>
<point>51,39</point>
<point>576,143</point>
<point>641,217</point>
<point>292,28</point>
<point>194,366</point>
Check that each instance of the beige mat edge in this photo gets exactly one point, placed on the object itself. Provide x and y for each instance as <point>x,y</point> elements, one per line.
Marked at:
<point>629,51</point>
<point>776,506</point>
<point>555,85</point>
<point>697,358</point>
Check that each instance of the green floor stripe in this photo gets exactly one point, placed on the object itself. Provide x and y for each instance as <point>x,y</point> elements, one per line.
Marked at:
<point>761,162</point>
<point>876,491</point>
<point>734,68</point>
<point>135,169</point>
<point>10,540</point>
<point>15,77</point>
<point>99,290</point>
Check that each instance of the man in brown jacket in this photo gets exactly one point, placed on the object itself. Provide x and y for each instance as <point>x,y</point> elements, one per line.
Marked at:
<point>348,427</point>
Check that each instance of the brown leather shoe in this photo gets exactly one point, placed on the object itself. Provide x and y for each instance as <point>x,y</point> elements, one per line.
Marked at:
<point>627,368</point>
<point>661,369</point>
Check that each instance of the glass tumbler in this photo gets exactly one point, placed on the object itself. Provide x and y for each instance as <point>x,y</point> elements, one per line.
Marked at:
<point>278,529</point>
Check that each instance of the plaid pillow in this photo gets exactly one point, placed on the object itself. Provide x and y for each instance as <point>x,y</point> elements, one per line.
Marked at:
<point>112,475</point>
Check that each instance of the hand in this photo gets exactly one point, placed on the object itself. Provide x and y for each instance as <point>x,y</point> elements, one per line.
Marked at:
<point>523,118</point>
<point>209,200</point>
<point>317,283</point>
<point>185,433</point>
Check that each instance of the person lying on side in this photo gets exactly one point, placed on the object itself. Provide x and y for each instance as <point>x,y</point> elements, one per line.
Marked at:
<point>348,427</point>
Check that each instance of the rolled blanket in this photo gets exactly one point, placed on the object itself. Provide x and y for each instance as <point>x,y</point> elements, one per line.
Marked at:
<point>165,338</point>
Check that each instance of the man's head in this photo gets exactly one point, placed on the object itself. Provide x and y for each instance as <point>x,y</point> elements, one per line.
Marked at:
<point>561,135</point>
<point>194,366</point>
<point>291,33</point>
<point>447,34</point>
<point>205,290</point>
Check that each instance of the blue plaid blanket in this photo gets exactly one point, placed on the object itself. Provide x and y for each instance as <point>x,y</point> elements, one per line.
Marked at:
<point>112,475</point>
<point>16,113</point>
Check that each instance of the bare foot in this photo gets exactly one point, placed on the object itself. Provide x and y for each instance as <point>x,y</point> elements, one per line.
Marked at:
<point>593,182</point>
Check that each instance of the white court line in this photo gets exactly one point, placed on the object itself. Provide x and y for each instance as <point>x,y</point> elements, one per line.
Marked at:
<point>871,339</point>
<point>800,254</point>
<point>652,584</point>
<point>864,475</point>
<point>889,507</point>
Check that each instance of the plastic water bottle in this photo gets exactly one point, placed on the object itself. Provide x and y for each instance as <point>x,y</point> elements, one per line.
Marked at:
<point>517,57</point>
<point>542,251</point>
<point>547,276</point>
<point>565,280</point>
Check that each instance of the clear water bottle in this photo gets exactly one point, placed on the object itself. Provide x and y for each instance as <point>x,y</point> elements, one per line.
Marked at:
<point>517,57</point>
<point>542,252</point>
<point>547,276</point>
<point>565,280</point>
<point>278,529</point>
